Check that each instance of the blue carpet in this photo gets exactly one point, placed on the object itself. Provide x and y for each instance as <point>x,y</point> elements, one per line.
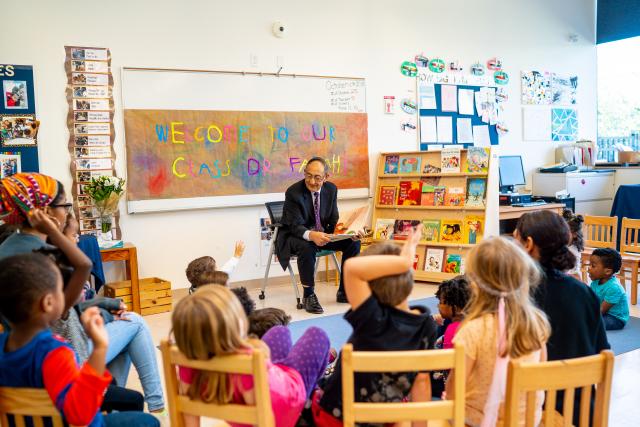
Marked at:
<point>339,330</point>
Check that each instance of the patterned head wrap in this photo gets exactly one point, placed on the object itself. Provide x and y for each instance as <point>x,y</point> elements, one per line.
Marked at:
<point>22,192</point>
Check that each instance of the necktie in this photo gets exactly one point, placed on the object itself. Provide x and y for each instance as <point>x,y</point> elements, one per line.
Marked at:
<point>316,210</point>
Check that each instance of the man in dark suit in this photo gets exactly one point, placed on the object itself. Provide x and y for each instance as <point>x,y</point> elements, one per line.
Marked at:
<point>309,217</point>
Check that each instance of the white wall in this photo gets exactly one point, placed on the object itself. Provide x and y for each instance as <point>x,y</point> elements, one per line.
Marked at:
<point>354,38</point>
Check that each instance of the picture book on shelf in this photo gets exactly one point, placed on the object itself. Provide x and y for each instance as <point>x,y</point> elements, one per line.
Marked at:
<point>451,231</point>
<point>452,264</point>
<point>450,160</point>
<point>387,195</point>
<point>429,168</point>
<point>473,228</point>
<point>478,159</point>
<point>402,227</point>
<point>430,230</point>
<point>409,193</point>
<point>476,190</point>
<point>409,164</point>
<point>428,195</point>
<point>384,229</point>
<point>454,196</point>
<point>438,196</point>
<point>391,163</point>
<point>433,259</point>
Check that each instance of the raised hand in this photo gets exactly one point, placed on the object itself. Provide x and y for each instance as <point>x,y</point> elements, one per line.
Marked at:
<point>94,326</point>
<point>239,249</point>
<point>42,222</point>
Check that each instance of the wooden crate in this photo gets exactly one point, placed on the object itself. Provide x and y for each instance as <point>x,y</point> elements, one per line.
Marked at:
<point>155,296</point>
<point>117,289</point>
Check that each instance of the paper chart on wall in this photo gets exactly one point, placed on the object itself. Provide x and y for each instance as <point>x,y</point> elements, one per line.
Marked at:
<point>449,98</point>
<point>465,101</point>
<point>536,87</point>
<point>428,130</point>
<point>427,94</point>
<point>445,129</point>
<point>536,124</point>
<point>564,89</point>
<point>465,134</point>
<point>481,136</point>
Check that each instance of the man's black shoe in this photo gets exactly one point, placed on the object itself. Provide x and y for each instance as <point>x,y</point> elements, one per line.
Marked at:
<point>341,297</point>
<point>311,304</point>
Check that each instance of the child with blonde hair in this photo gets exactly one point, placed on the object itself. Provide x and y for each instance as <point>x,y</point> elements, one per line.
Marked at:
<point>501,323</point>
<point>211,322</point>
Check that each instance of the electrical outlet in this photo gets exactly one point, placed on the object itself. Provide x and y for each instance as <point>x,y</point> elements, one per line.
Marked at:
<point>253,60</point>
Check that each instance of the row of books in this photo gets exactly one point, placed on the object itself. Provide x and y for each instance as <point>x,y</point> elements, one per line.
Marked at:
<point>423,193</point>
<point>435,260</point>
<point>469,230</point>
<point>450,162</point>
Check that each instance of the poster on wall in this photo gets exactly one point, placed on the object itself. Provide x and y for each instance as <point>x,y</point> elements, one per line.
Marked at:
<point>91,131</point>
<point>564,124</point>
<point>536,87</point>
<point>564,89</point>
<point>18,124</point>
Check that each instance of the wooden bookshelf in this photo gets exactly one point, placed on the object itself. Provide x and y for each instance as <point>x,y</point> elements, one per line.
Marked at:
<point>429,212</point>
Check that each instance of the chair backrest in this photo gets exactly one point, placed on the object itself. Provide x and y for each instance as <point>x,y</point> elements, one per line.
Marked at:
<point>402,361</point>
<point>27,403</point>
<point>568,375</point>
<point>600,231</point>
<point>629,239</point>
<point>275,211</point>
<point>259,414</point>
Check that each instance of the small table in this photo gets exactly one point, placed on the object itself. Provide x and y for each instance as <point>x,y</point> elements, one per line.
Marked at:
<point>129,254</point>
<point>510,214</point>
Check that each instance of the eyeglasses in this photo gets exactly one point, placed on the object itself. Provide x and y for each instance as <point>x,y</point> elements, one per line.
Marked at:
<point>310,177</point>
<point>66,206</point>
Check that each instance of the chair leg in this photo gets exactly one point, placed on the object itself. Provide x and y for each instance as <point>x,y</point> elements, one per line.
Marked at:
<point>266,272</point>
<point>326,269</point>
<point>295,287</point>
<point>634,284</point>
<point>337,264</point>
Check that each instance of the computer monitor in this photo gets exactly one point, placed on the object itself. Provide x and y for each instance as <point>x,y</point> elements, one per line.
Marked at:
<point>511,173</point>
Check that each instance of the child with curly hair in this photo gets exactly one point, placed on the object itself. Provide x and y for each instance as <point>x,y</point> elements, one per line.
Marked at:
<point>577,240</point>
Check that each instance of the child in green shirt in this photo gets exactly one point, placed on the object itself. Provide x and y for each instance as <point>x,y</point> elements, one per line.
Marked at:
<point>604,264</point>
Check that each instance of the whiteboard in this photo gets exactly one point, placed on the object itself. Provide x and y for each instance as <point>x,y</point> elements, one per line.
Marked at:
<point>163,89</point>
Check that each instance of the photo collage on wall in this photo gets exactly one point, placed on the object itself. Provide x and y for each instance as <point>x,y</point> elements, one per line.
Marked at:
<point>18,124</point>
<point>91,131</point>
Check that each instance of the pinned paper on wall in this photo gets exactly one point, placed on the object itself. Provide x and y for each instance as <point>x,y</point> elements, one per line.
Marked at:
<point>427,93</point>
<point>428,130</point>
<point>445,129</point>
<point>486,104</point>
<point>536,124</point>
<point>536,87</point>
<point>564,89</point>
<point>564,124</point>
<point>465,101</point>
<point>481,136</point>
<point>449,98</point>
<point>465,135</point>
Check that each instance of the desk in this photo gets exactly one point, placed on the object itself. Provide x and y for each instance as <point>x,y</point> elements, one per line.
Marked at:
<point>509,215</point>
<point>129,254</point>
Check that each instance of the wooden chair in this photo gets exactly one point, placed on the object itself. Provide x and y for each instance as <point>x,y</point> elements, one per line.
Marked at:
<point>260,414</point>
<point>22,404</point>
<point>630,252</point>
<point>565,375</point>
<point>598,232</point>
<point>402,361</point>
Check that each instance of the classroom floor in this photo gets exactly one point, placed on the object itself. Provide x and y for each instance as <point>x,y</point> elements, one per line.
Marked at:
<point>624,409</point>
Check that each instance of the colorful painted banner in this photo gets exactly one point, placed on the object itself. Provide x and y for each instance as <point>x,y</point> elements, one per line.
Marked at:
<point>184,154</point>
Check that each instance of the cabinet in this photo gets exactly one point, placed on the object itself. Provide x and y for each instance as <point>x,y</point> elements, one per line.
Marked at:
<point>456,209</point>
<point>593,191</point>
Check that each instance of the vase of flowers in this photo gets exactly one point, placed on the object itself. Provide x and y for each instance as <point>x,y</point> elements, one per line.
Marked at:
<point>105,191</point>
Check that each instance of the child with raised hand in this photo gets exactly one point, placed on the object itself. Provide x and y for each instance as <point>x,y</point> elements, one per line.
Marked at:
<point>212,323</point>
<point>604,264</point>
<point>501,323</point>
<point>378,284</point>
<point>31,299</point>
<point>576,246</point>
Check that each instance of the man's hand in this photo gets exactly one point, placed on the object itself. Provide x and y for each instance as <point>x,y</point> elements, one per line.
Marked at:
<point>319,238</point>
<point>42,222</point>
<point>239,249</point>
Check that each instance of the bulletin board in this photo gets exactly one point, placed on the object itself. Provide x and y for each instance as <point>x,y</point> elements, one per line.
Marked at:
<point>17,80</point>
<point>475,119</point>
<point>201,139</point>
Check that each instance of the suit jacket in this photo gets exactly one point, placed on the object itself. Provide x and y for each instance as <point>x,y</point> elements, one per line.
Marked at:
<point>298,215</point>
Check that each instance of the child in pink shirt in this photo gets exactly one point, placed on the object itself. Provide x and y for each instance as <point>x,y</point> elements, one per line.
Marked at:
<point>212,322</point>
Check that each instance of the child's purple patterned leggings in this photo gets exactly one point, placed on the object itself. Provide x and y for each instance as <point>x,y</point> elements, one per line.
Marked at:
<point>309,356</point>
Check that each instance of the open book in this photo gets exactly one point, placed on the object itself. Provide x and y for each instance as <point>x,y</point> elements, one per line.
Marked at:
<point>337,237</point>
